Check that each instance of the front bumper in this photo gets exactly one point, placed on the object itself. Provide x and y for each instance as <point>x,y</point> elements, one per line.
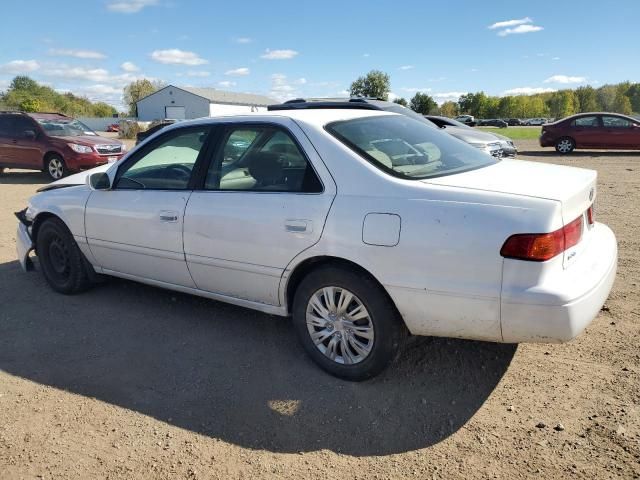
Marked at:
<point>24,245</point>
<point>563,305</point>
<point>84,161</point>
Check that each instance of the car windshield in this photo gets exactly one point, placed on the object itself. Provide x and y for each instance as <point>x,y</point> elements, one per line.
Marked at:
<point>407,148</point>
<point>64,128</point>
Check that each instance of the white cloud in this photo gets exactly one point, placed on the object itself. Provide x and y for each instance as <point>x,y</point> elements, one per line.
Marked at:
<point>366,55</point>
<point>19,67</point>
<point>441,97</point>
<point>129,67</point>
<point>175,56</point>
<point>282,88</point>
<point>70,52</point>
<point>406,67</point>
<point>527,91</point>
<point>129,6</point>
<point>278,54</point>
<point>555,58</point>
<point>238,72</point>
<point>520,29</point>
<point>226,84</point>
<point>243,40</point>
<point>97,75</point>
<point>393,96</point>
<point>197,73</point>
<point>565,79</point>
<point>415,89</point>
<point>510,23</point>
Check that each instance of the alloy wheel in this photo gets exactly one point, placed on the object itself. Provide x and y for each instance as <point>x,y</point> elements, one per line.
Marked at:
<point>340,325</point>
<point>56,168</point>
<point>565,145</point>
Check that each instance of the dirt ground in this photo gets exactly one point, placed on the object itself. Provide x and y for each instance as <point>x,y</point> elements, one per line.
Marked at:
<point>130,381</point>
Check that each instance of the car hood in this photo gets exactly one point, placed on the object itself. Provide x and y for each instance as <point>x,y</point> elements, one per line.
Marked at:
<point>91,140</point>
<point>470,135</point>
<point>573,187</point>
<point>75,179</point>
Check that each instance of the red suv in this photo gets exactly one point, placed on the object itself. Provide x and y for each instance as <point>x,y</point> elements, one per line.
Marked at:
<point>53,143</point>
<point>592,130</point>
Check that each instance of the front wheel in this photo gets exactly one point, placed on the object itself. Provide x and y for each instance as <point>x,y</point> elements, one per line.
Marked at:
<point>55,167</point>
<point>63,265</point>
<point>347,323</point>
<point>565,145</point>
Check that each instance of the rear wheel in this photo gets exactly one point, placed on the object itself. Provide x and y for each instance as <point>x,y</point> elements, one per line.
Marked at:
<point>55,167</point>
<point>64,267</point>
<point>565,145</point>
<point>346,323</point>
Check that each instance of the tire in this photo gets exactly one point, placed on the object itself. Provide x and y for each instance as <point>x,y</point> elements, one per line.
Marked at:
<point>565,145</point>
<point>353,350</point>
<point>55,167</point>
<point>63,265</point>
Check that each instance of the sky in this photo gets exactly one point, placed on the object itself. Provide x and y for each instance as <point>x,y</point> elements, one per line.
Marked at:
<point>287,49</point>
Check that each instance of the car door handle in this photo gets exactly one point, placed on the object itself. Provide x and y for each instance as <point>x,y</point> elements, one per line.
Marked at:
<point>168,216</point>
<point>298,226</point>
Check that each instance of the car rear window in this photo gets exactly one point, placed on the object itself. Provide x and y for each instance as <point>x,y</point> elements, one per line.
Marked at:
<point>407,148</point>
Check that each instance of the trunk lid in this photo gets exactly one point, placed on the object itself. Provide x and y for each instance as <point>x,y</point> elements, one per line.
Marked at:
<point>574,188</point>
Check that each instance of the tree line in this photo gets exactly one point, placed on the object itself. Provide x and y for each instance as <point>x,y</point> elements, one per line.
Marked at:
<point>27,95</point>
<point>623,98</point>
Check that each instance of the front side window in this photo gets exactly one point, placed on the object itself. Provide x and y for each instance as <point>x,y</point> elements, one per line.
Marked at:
<point>261,158</point>
<point>167,165</point>
<point>586,122</point>
<point>616,122</point>
<point>65,128</point>
<point>407,148</point>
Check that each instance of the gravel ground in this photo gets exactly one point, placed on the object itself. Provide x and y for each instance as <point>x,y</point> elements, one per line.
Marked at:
<point>129,381</point>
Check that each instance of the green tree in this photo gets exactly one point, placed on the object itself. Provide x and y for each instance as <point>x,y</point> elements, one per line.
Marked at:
<point>622,104</point>
<point>136,90</point>
<point>607,97</point>
<point>472,103</point>
<point>401,101</point>
<point>24,83</point>
<point>374,84</point>
<point>423,103</point>
<point>449,109</point>
<point>102,109</point>
<point>587,99</point>
<point>634,97</point>
<point>31,105</point>
<point>562,104</point>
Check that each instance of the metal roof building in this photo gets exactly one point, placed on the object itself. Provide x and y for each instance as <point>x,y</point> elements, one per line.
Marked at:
<point>181,103</point>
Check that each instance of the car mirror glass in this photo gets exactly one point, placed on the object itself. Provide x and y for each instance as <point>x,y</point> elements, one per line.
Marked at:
<point>99,181</point>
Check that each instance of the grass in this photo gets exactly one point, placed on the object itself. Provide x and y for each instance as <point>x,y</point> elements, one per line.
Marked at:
<point>515,133</point>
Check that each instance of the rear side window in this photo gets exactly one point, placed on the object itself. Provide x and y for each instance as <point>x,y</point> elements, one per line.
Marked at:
<point>406,148</point>
<point>583,122</point>
<point>5,125</point>
<point>261,158</point>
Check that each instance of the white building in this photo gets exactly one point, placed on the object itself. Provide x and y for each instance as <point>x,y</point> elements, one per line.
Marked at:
<point>181,103</point>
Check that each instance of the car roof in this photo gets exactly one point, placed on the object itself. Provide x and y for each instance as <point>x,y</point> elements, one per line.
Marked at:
<point>49,116</point>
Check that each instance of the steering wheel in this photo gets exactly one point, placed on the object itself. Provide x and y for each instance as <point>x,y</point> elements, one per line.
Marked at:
<point>181,170</point>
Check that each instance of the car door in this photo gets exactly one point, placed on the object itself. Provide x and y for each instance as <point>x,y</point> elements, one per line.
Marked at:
<point>22,148</point>
<point>264,199</point>
<point>135,228</point>
<point>619,132</point>
<point>587,131</point>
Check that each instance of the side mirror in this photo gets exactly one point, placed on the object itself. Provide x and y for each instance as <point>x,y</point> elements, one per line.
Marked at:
<point>99,181</point>
<point>29,134</point>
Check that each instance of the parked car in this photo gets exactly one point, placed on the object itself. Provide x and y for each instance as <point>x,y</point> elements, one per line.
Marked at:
<point>492,122</point>
<point>487,144</point>
<point>466,119</point>
<point>53,143</point>
<point>472,136</point>
<point>513,122</point>
<point>155,127</point>
<point>592,130</point>
<point>362,225</point>
<point>113,128</point>
<point>535,122</point>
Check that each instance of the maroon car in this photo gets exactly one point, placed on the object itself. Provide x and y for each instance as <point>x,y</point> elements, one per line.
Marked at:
<point>53,143</point>
<point>592,130</point>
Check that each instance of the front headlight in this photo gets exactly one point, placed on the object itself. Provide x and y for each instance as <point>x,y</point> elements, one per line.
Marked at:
<point>80,148</point>
<point>123,148</point>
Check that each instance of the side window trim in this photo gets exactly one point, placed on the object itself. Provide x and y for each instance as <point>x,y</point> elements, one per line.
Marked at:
<point>140,154</point>
<point>225,130</point>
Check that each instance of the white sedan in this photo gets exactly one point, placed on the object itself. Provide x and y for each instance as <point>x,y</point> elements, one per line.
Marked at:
<point>364,226</point>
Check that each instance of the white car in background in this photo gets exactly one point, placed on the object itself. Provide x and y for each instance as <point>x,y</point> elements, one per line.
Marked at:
<point>362,225</point>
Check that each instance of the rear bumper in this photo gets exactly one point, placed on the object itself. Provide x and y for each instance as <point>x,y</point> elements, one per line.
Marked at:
<point>24,245</point>
<point>561,306</point>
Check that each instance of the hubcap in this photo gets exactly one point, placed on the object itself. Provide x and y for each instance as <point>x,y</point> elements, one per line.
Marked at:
<point>58,257</point>
<point>340,325</point>
<point>55,168</point>
<point>564,146</point>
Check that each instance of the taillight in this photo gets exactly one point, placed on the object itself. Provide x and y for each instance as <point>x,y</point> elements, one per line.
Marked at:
<point>539,247</point>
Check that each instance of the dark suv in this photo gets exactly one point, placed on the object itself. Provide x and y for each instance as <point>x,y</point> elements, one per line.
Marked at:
<point>53,143</point>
